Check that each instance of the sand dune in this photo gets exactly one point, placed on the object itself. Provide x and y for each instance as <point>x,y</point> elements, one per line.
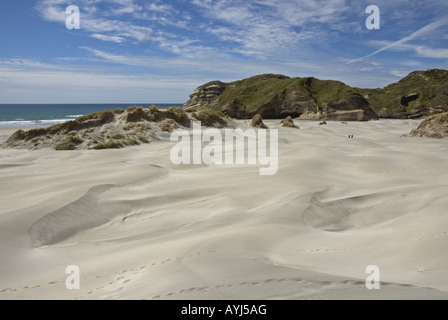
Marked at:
<point>140,227</point>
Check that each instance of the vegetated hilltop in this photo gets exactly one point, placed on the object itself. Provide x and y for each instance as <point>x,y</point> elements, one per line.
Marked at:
<point>419,94</point>
<point>112,129</point>
<point>276,97</point>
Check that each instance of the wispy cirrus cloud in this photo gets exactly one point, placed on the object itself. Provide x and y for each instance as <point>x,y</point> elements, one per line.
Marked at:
<point>423,50</point>
<point>420,50</point>
<point>266,27</point>
<point>103,37</point>
<point>111,23</point>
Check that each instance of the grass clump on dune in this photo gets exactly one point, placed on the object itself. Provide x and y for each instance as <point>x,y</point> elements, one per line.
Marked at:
<point>178,114</point>
<point>111,144</point>
<point>154,114</point>
<point>210,118</point>
<point>118,137</point>
<point>135,114</point>
<point>101,117</point>
<point>142,139</point>
<point>118,141</point>
<point>69,143</point>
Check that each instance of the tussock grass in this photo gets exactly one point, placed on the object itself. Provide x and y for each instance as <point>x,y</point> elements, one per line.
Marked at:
<point>210,117</point>
<point>69,143</point>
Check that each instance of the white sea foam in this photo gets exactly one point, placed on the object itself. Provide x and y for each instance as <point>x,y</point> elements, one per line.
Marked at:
<point>31,123</point>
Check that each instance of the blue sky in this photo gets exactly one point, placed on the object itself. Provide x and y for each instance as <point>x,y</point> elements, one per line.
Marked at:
<point>160,51</point>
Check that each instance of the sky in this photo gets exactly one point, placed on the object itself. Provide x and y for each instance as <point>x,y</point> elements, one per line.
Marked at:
<point>158,51</point>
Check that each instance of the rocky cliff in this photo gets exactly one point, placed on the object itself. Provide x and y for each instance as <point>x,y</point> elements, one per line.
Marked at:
<point>277,96</point>
<point>432,127</point>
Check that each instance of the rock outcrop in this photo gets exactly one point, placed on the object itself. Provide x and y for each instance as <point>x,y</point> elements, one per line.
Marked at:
<point>257,122</point>
<point>289,123</point>
<point>433,127</point>
<point>276,97</point>
<point>204,94</point>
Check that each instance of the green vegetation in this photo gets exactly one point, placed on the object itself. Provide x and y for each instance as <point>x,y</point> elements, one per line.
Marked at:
<point>178,114</point>
<point>254,92</point>
<point>325,91</point>
<point>111,144</point>
<point>142,138</point>
<point>168,125</point>
<point>120,140</point>
<point>257,122</point>
<point>97,117</point>
<point>419,94</point>
<point>439,118</point>
<point>135,114</point>
<point>69,143</point>
<point>190,110</point>
<point>118,137</point>
<point>288,123</point>
<point>420,90</point>
<point>435,126</point>
<point>210,117</point>
<point>274,96</point>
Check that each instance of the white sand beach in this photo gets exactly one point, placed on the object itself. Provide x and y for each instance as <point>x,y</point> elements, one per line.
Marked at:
<point>140,227</point>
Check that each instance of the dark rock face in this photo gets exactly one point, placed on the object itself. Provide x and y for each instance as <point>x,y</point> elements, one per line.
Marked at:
<point>409,98</point>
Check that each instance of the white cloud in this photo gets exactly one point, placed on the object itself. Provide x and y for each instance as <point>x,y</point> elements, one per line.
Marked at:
<point>422,50</point>
<point>265,28</point>
<point>102,24</point>
<point>399,73</point>
<point>103,37</point>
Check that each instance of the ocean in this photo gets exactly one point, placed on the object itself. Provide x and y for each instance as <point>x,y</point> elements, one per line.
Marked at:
<point>39,115</point>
